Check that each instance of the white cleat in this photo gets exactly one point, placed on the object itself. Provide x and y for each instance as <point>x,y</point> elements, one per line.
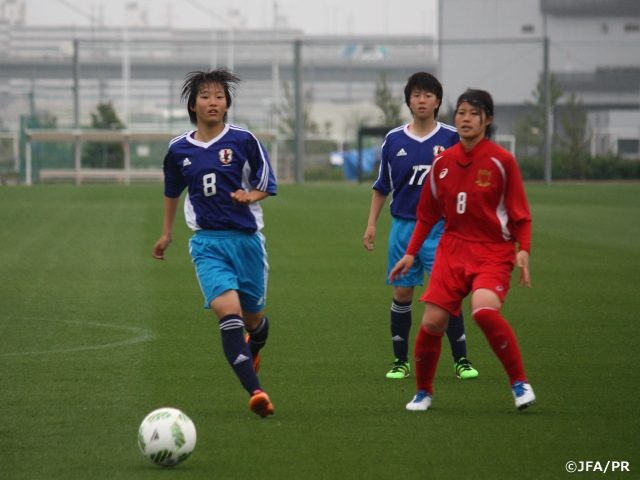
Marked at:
<point>523,395</point>
<point>422,401</point>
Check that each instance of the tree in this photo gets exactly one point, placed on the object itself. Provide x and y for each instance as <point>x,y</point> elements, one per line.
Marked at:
<point>391,106</point>
<point>575,140</point>
<point>530,133</point>
<point>104,155</point>
<point>287,112</point>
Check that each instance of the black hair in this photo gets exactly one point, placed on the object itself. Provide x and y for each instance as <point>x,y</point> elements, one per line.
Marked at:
<point>481,99</point>
<point>195,80</point>
<point>423,81</point>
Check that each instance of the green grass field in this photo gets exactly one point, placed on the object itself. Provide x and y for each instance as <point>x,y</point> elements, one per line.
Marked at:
<point>94,334</point>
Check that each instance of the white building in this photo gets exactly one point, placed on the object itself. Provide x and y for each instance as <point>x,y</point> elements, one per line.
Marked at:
<point>594,52</point>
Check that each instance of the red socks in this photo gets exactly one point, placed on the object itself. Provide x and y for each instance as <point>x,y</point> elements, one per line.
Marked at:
<point>503,342</point>
<point>427,353</point>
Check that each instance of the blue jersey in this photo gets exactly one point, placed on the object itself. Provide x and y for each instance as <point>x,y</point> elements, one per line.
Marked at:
<point>211,171</point>
<point>406,161</point>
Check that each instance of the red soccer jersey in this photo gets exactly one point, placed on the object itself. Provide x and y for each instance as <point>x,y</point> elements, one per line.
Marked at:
<point>481,195</point>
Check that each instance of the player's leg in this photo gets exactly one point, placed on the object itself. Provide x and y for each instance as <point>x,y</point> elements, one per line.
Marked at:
<point>212,254</point>
<point>253,272</point>
<point>455,331</point>
<point>458,342</point>
<point>447,288</point>
<point>400,317</point>
<point>257,326</point>
<point>427,353</point>
<point>485,306</point>
<point>227,308</point>
<point>236,349</point>
<point>400,330</point>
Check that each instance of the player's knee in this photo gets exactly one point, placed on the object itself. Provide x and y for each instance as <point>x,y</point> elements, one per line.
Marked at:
<point>403,294</point>
<point>435,318</point>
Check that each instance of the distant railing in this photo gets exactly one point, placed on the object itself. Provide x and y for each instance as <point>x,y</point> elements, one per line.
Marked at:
<point>78,137</point>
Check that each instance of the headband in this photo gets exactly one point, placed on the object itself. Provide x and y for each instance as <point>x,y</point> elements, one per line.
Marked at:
<point>475,102</point>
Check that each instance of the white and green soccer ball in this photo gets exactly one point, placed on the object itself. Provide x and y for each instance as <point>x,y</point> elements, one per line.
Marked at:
<point>167,437</point>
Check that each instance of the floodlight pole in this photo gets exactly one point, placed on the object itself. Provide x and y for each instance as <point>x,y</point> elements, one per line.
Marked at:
<point>299,115</point>
<point>440,37</point>
<point>126,74</point>
<point>76,85</point>
<point>548,119</point>
<point>275,75</point>
<point>230,64</point>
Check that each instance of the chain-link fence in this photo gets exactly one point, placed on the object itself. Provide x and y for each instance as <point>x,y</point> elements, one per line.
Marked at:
<point>49,81</point>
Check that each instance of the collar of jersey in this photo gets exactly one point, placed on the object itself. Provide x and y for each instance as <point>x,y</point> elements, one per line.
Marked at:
<point>210,142</point>
<point>409,134</point>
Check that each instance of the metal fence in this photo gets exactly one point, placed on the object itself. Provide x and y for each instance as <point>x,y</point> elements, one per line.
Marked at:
<point>53,78</point>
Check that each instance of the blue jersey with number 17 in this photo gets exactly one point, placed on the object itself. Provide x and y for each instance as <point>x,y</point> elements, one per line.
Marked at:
<point>211,171</point>
<point>405,163</point>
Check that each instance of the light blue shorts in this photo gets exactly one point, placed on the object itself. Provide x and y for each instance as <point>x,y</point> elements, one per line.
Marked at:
<point>231,260</point>
<point>399,238</point>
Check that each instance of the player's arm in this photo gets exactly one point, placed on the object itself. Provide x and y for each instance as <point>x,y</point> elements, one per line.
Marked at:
<point>261,176</point>
<point>174,184</point>
<point>518,208</point>
<point>242,197</point>
<point>522,260</point>
<point>381,190</point>
<point>377,203</point>
<point>170,208</point>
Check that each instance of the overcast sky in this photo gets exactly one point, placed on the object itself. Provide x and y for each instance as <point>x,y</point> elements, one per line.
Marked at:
<point>326,17</point>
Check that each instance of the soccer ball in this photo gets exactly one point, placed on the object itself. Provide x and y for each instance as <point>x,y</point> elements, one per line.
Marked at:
<point>167,437</point>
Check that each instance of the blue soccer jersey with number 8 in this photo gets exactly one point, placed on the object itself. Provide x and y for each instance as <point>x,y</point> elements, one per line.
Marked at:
<point>211,171</point>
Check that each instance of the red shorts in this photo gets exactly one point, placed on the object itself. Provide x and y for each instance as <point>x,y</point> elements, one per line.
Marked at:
<point>462,267</point>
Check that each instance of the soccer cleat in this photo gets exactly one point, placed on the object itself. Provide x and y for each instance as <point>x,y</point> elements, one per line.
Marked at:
<point>464,370</point>
<point>400,369</point>
<point>260,404</point>
<point>523,395</point>
<point>256,360</point>
<point>421,401</point>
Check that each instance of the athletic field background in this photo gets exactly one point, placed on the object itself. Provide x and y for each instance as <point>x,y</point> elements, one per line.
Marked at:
<point>94,334</point>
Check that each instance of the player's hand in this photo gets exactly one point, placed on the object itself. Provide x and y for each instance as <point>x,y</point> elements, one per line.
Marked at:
<point>401,268</point>
<point>160,246</point>
<point>522,260</point>
<point>241,197</point>
<point>369,237</point>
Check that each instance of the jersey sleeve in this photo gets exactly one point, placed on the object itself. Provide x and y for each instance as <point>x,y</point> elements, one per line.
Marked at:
<point>523,235</point>
<point>174,182</point>
<point>518,206</point>
<point>261,176</point>
<point>383,182</point>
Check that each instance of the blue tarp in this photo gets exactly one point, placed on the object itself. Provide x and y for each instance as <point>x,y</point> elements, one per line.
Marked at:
<point>370,157</point>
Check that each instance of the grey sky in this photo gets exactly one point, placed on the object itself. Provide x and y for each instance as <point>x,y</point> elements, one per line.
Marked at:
<point>314,17</point>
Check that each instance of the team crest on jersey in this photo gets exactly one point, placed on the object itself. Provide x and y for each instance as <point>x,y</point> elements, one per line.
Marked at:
<point>484,178</point>
<point>438,149</point>
<point>226,155</point>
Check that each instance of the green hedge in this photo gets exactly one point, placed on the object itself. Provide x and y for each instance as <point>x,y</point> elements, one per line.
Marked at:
<point>564,167</point>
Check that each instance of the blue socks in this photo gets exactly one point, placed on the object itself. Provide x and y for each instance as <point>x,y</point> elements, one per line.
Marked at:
<point>400,328</point>
<point>258,337</point>
<point>238,353</point>
<point>457,338</point>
